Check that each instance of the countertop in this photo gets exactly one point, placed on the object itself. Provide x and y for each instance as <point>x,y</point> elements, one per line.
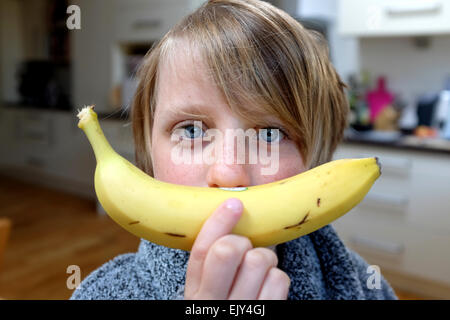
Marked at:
<point>389,140</point>
<point>397,141</point>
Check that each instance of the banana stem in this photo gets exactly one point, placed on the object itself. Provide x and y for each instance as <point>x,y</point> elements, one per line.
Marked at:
<point>89,124</point>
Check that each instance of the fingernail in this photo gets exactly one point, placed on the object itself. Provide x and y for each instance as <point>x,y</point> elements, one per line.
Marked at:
<point>234,205</point>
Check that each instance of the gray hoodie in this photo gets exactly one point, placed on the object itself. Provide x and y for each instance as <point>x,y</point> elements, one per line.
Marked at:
<point>319,265</point>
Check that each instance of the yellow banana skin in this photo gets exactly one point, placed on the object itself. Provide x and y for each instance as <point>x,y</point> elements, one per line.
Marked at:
<point>172,215</point>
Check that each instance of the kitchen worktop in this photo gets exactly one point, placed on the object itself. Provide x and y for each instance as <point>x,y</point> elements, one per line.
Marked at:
<point>119,114</point>
<point>398,141</point>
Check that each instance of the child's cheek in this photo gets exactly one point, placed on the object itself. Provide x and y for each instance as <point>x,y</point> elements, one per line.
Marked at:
<point>288,164</point>
<point>184,174</point>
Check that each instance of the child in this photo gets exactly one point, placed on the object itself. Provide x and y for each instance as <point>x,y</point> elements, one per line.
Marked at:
<point>235,64</point>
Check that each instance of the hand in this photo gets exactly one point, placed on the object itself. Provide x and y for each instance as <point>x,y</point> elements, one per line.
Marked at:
<point>226,266</point>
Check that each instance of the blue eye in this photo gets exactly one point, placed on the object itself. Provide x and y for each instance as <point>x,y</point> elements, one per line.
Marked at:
<point>271,134</point>
<point>192,131</point>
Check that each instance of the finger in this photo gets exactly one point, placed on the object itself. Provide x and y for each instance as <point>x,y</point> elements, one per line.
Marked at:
<point>221,265</point>
<point>253,271</point>
<point>276,286</point>
<point>219,224</point>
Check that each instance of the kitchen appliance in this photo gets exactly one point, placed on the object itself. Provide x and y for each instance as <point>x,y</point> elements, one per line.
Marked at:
<point>425,109</point>
<point>408,119</point>
<point>44,84</point>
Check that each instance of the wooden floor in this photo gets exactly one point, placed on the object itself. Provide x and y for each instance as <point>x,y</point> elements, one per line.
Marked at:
<point>54,230</point>
<point>51,231</point>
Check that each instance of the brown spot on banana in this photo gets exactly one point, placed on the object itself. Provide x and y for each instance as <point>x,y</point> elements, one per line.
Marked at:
<point>318,202</point>
<point>133,222</point>
<point>298,224</point>
<point>175,235</point>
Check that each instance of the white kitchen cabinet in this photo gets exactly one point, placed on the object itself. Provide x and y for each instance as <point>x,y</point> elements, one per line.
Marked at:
<point>393,17</point>
<point>403,224</point>
<point>148,20</point>
<point>119,133</point>
<point>47,148</point>
<point>106,27</point>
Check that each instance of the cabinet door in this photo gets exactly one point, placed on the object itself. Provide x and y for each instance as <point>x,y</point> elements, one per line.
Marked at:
<point>393,17</point>
<point>46,148</point>
<point>403,223</point>
<point>120,136</point>
<point>397,246</point>
<point>147,20</point>
<point>390,197</point>
<point>27,138</point>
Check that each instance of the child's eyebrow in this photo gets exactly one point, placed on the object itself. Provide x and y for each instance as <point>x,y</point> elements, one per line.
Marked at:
<point>197,111</point>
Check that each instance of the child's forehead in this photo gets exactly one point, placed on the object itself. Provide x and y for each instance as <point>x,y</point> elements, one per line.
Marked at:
<point>214,114</point>
<point>181,55</point>
<point>185,73</point>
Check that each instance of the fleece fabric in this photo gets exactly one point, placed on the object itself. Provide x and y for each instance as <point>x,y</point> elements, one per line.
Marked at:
<point>319,265</point>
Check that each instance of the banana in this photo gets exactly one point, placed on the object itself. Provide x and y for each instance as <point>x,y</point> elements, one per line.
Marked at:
<point>172,215</point>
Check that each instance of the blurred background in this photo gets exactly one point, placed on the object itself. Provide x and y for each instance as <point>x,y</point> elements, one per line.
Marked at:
<point>56,58</point>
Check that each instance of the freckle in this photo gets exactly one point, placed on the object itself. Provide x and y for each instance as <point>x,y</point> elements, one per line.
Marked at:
<point>318,202</point>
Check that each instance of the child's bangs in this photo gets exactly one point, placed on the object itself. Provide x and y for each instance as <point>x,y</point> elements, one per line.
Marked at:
<point>236,60</point>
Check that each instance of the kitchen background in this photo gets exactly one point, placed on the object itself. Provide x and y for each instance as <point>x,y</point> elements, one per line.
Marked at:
<point>394,56</point>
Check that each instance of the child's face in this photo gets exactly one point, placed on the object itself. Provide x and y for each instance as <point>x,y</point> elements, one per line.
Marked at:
<point>190,86</point>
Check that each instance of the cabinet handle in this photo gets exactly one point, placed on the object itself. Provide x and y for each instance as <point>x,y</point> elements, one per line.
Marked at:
<point>147,23</point>
<point>389,247</point>
<point>411,7</point>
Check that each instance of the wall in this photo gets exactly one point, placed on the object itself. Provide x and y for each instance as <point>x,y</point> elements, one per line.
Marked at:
<point>12,47</point>
<point>410,71</point>
<point>343,50</point>
<point>35,31</point>
<point>91,51</point>
<point>22,36</point>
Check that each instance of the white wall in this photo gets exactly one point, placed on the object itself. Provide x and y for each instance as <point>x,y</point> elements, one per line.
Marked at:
<point>344,50</point>
<point>410,71</point>
<point>91,52</point>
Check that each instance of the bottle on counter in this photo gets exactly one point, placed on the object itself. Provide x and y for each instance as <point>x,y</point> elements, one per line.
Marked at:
<point>379,98</point>
<point>408,120</point>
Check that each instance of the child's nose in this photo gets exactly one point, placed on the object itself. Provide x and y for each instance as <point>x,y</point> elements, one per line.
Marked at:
<point>229,168</point>
<point>227,175</point>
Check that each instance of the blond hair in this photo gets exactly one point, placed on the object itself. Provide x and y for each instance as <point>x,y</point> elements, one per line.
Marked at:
<point>263,61</point>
